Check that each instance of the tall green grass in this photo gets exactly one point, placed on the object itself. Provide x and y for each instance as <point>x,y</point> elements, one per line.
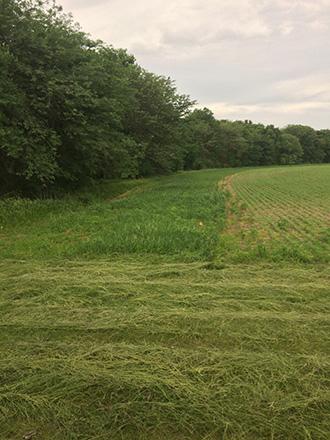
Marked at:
<point>179,216</point>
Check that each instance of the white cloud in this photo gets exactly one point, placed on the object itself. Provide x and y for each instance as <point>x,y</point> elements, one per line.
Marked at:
<point>224,108</point>
<point>283,113</point>
<point>307,87</point>
<point>159,23</point>
<point>253,52</point>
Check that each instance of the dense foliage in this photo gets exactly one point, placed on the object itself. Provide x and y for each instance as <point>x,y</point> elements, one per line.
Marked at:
<point>72,109</point>
<point>213,143</point>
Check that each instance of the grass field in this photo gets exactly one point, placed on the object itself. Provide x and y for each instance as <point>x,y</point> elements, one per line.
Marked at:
<point>169,308</point>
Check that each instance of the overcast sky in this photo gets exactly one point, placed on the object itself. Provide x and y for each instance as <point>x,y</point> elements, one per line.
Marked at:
<point>265,60</point>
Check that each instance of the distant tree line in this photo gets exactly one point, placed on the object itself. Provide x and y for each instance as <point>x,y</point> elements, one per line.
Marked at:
<point>72,109</point>
<point>209,142</point>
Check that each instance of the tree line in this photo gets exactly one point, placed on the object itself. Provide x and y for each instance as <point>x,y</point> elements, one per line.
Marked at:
<point>210,142</point>
<point>74,109</point>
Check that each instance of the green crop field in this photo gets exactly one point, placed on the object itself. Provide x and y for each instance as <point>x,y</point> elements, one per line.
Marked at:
<point>192,306</point>
<point>280,213</point>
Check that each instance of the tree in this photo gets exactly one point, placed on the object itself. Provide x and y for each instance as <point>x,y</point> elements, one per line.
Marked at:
<point>73,108</point>
<point>232,145</point>
<point>154,122</point>
<point>312,147</point>
<point>324,139</point>
<point>199,140</point>
<point>290,151</point>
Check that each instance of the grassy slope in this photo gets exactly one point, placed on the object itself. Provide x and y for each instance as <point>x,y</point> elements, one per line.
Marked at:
<point>137,335</point>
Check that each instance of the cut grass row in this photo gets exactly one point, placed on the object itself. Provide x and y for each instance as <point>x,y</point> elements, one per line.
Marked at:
<point>135,350</point>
